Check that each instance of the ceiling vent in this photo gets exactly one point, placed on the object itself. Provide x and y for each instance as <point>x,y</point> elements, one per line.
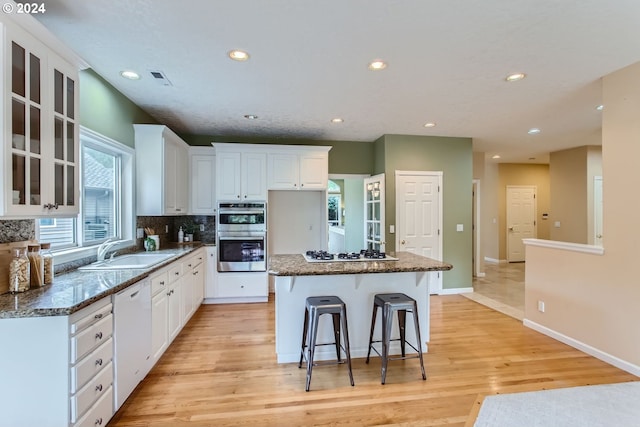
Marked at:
<point>160,78</point>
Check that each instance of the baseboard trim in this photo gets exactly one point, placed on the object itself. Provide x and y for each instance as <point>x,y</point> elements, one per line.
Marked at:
<point>481,274</point>
<point>592,351</point>
<point>495,261</point>
<point>455,291</point>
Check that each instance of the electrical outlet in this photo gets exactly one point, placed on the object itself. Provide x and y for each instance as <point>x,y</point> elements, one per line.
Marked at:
<point>541,306</point>
<point>166,228</point>
<point>201,227</point>
<point>139,233</point>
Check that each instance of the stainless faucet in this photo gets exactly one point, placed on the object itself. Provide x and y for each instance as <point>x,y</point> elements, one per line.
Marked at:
<point>105,246</point>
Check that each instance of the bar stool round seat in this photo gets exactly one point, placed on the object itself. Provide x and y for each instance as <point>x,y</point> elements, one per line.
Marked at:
<point>314,308</point>
<point>401,304</point>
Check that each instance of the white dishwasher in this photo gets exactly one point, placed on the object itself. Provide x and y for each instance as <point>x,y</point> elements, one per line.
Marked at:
<point>132,338</point>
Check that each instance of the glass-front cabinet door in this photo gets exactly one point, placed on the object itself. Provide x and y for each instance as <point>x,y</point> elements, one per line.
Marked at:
<point>26,127</point>
<point>41,139</point>
<point>65,139</point>
<point>374,213</point>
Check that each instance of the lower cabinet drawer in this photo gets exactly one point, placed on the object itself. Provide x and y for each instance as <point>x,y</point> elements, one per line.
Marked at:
<point>242,285</point>
<point>91,338</point>
<point>100,413</point>
<point>91,392</point>
<point>91,365</point>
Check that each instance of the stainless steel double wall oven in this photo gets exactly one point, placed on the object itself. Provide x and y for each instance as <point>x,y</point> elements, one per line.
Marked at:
<point>242,236</point>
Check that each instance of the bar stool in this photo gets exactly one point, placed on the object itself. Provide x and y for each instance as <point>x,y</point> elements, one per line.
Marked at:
<point>390,303</point>
<point>314,308</point>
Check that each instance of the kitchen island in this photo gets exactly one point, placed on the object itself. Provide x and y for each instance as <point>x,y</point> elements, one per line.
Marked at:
<point>356,283</point>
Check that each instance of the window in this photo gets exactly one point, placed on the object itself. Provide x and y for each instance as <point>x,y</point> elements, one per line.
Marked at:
<point>334,203</point>
<point>106,205</point>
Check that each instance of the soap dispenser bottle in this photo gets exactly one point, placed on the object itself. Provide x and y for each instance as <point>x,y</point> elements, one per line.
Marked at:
<point>180,235</point>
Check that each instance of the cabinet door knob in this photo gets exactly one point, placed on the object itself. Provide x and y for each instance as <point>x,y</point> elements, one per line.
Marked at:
<point>98,422</point>
<point>99,387</point>
<point>99,362</point>
<point>99,336</point>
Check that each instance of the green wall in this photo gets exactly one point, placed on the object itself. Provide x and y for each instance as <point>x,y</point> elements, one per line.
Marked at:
<point>454,157</point>
<point>107,111</point>
<point>346,157</point>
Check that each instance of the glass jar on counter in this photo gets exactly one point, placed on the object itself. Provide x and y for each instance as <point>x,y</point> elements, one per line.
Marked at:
<point>37,266</point>
<point>19,271</point>
<point>47,260</point>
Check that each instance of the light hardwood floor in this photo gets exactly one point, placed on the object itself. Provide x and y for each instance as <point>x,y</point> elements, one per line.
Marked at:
<point>221,371</point>
<point>502,288</point>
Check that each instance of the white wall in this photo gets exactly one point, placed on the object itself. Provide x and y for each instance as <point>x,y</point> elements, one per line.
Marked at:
<point>594,300</point>
<point>296,221</point>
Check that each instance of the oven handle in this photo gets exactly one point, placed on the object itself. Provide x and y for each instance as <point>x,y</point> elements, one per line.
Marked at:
<point>240,212</point>
<point>241,238</point>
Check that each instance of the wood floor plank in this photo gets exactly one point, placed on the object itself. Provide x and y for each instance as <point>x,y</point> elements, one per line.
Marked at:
<point>221,371</point>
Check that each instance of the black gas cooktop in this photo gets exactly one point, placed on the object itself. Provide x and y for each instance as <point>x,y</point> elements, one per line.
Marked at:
<point>363,255</point>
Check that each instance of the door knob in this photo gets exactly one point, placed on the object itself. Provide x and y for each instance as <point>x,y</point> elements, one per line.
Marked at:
<point>402,242</point>
<point>510,228</point>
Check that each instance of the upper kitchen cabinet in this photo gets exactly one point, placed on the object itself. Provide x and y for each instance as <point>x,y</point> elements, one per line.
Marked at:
<point>41,128</point>
<point>202,163</point>
<point>241,171</point>
<point>298,168</point>
<point>161,171</point>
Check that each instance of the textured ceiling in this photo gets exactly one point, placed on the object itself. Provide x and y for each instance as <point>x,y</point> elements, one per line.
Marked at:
<point>447,63</point>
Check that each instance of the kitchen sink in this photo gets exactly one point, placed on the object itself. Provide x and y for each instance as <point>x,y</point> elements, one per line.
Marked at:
<point>132,261</point>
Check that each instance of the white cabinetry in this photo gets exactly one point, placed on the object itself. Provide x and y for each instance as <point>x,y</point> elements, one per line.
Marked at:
<point>298,168</point>
<point>241,287</point>
<point>161,171</point>
<point>211,275</point>
<point>202,163</point>
<point>40,128</point>
<point>132,338</point>
<point>68,362</point>
<point>241,172</point>
<point>159,314</point>
<point>193,284</point>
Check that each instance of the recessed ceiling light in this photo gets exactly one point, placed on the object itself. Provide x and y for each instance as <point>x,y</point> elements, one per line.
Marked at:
<point>131,75</point>
<point>515,77</point>
<point>337,120</point>
<point>250,116</point>
<point>600,107</point>
<point>496,156</point>
<point>430,125</point>
<point>378,64</point>
<point>533,131</point>
<point>238,55</point>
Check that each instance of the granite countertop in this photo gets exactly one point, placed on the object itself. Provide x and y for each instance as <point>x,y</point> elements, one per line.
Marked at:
<point>296,265</point>
<point>77,289</point>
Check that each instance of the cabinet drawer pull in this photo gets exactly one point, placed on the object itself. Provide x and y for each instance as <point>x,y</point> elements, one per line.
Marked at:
<point>98,422</point>
<point>98,362</point>
<point>99,336</point>
<point>162,283</point>
<point>98,316</point>
<point>133,295</point>
<point>99,387</point>
<point>176,273</point>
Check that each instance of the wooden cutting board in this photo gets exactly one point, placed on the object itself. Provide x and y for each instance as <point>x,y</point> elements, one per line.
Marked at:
<point>5,260</point>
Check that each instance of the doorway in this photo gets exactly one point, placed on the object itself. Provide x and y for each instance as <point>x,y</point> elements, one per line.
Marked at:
<point>419,217</point>
<point>521,219</point>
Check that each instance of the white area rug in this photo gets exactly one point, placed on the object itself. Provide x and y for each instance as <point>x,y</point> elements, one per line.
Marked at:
<point>610,405</point>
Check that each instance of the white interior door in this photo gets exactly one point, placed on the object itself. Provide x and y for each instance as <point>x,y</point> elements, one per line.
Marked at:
<point>521,219</point>
<point>597,216</point>
<point>419,217</point>
<point>374,233</point>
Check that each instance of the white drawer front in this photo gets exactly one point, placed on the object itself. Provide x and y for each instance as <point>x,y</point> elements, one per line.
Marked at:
<point>175,271</point>
<point>92,314</point>
<point>91,338</point>
<point>91,392</point>
<point>100,413</point>
<point>91,364</point>
<point>159,283</point>
<point>242,285</point>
